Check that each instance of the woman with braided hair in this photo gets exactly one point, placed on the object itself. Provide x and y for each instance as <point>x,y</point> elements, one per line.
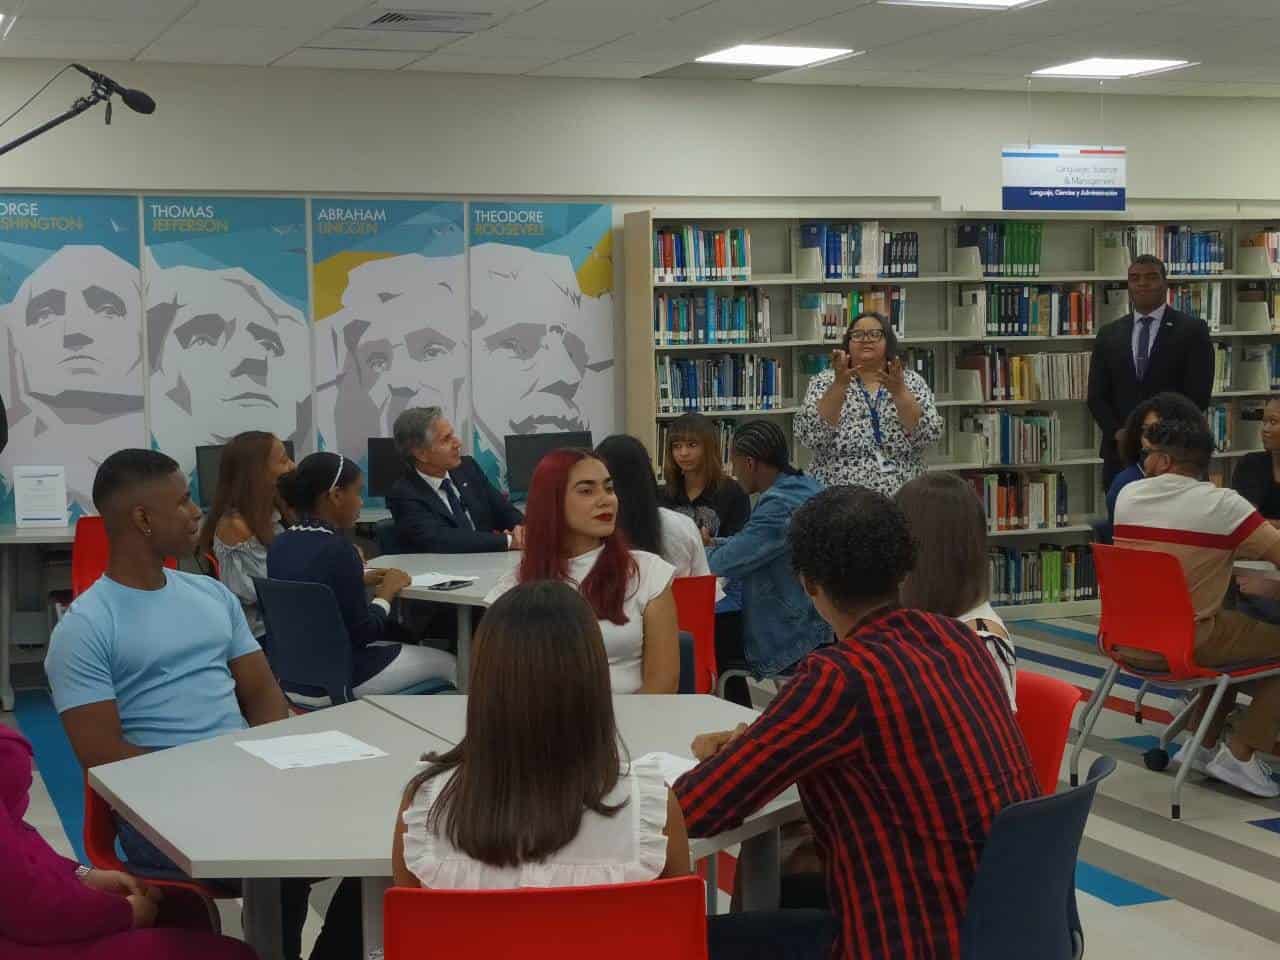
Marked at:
<point>778,624</point>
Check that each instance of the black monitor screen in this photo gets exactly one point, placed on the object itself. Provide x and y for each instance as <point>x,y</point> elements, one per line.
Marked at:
<point>208,462</point>
<point>524,450</point>
<point>385,467</point>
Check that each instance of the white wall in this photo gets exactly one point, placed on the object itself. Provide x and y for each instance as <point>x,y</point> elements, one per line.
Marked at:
<point>246,129</point>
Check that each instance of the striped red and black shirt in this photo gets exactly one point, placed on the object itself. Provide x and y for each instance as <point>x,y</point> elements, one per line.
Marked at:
<point>904,748</point>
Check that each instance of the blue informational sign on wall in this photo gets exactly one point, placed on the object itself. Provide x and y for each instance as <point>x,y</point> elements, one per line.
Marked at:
<point>1063,177</point>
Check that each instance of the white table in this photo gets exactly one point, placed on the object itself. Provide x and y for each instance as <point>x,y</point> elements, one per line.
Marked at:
<point>1257,568</point>
<point>373,515</point>
<point>11,540</point>
<point>667,723</point>
<point>487,568</point>
<point>219,812</point>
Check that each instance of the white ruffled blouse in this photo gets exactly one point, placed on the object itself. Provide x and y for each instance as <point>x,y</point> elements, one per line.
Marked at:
<point>624,848</point>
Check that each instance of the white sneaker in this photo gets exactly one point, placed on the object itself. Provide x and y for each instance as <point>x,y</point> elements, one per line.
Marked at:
<point>1252,777</point>
<point>1200,763</point>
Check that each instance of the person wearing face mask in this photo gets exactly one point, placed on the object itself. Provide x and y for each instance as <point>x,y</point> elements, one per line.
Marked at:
<point>1207,528</point>
<point>1151,349</point>
<point>324,494</point>
<point>867,420</point>
<point>573,536</point>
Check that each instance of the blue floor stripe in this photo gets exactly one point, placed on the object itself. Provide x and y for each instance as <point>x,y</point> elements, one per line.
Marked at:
<point>1070,633</point>
<point>57,763</point>
<point>1142,743</point>
<point>1272,824</point>
<point>1113,889</point>
<point>1090,670</point>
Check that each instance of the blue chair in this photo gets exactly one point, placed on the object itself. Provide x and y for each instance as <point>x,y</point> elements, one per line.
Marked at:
<point>1023,900</point>
<point>309,649</point>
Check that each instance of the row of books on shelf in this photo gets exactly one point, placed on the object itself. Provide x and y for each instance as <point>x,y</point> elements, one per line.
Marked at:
<point>1222,426</point>
<point>845,251</point>
<point>1006,248</point>
<point>1016,439</point>
<point>1028,377</point>
<point>1048,574</point>
<point>1024,310</point>
<point>1022,501</point>
<point>734,381</point>
<point>827,315</point>
<point>1269,239</point>
<point>1201,299</point>
<point>923,360</point>
<point>711,316</point>
<point>689,254</point>
<point>724,430</point>
<point>1182,248</point>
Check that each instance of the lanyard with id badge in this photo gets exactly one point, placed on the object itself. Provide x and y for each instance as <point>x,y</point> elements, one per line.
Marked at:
<point>873,409</point>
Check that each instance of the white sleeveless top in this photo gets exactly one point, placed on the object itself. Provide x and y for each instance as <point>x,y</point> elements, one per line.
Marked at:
<point>624,848</point>
<point>1002,651</point>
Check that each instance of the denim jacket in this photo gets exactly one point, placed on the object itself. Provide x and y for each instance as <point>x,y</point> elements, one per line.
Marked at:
<point>780,625</point>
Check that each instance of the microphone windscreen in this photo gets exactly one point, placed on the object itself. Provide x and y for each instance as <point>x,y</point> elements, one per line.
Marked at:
<point>137,101</point>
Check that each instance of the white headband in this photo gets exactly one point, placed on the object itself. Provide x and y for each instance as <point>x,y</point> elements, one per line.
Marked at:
<point>341,462</point>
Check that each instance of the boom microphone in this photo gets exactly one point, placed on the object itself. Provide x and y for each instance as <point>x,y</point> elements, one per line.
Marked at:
<point>135,100</point>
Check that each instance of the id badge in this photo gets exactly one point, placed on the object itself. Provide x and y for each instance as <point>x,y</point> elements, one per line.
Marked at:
<point>885,465</point>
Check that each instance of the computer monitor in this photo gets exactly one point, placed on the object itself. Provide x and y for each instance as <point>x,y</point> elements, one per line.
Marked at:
<point>208,463</point>
<point>385,467</point>
<point>524,450</point>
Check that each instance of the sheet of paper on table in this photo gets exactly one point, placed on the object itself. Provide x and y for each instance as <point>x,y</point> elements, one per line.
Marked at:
<point>310,750</point>
<point>672,767</point>
<point>437,581</point>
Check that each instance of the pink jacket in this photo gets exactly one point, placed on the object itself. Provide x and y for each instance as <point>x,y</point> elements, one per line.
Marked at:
<point>41,900</point>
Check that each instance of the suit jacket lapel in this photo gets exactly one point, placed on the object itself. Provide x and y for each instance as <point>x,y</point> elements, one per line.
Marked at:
<point>1167,327</point>
<point>465,493</point>
<point>1126,343</point>
<point>433,500</point>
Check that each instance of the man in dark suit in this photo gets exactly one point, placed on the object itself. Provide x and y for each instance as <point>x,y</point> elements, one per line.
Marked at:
<point>444,503</point>
<point>1149,350</point>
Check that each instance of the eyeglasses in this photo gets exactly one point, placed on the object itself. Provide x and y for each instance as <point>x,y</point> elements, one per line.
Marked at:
<point>866,336</point>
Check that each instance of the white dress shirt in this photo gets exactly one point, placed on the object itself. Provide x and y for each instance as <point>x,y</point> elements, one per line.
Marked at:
<point>437,484</point>
<point>1157,317</point>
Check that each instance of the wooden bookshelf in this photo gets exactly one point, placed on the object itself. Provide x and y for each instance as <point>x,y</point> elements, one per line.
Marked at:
<point>1071,254</point>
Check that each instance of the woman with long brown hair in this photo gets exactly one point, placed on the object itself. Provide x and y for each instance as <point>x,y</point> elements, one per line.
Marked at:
<point>952,575</point>
<point>572,535</point>
<point>695,482</point>
<point>538,793</point>
<point>246,515</point>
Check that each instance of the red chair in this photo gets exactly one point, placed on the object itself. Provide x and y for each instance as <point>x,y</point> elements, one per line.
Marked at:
<point>1045,706</point>
<point>1146,606</point>
<point>696,614</point>
<point>89,552</point>
<point>187,903</point>
<point>631,921</point>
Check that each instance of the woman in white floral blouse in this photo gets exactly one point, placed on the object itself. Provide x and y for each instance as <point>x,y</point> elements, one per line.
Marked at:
<point>867,420</point>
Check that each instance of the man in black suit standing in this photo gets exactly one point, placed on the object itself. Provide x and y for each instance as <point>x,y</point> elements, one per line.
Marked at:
<point>444,503</point>
<point>1149,350</point>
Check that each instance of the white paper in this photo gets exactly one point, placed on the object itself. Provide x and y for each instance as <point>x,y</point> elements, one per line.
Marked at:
<point>672,767</point>
<point>40,496</point>
<point>433,580</point>
<point>310,750</point>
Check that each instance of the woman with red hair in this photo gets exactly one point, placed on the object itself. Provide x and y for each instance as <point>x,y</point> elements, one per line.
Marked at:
<point>571,535</point>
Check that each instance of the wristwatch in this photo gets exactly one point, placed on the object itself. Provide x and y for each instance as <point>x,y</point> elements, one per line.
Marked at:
<point>82,871</point>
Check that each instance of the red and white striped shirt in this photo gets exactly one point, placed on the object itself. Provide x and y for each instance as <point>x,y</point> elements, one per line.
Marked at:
<point>904,748</point>
<point>1206,527</point>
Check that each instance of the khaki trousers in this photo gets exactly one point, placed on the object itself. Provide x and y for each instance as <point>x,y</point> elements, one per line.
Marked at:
<point>1238,639</point>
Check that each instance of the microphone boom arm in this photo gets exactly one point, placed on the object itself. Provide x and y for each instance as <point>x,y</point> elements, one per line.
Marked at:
<point>99,93</point>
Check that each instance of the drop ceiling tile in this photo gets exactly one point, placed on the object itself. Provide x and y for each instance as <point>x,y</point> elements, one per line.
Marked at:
<point>500,8</point>
<point>876,24</point>
<point>763,18</point>
<point>35,30</point>
<point>588,21</point>
<point>1262,9</point>
<point>113,10</point>
<point>670,43</point>
<point>313,15</point>
<point>501,42</point>
<point>347,59</point>
<point>384,40</point>
<point>455,63</point>
<point>243,46</point>
<point>621,70</point>
<point>54,48</point>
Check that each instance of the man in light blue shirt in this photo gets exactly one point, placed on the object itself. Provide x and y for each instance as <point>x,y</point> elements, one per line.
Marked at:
<point>149,658</point>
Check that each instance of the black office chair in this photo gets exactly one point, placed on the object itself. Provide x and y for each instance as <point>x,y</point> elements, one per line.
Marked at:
<point>309,650</point>
<point>1023,900</point>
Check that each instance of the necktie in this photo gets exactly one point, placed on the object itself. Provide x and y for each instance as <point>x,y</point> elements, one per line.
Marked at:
<point>1144,347</point>
<point>455,504</point>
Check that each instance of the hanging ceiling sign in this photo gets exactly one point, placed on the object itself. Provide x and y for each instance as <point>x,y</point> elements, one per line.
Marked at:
<point>1063,177</point>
